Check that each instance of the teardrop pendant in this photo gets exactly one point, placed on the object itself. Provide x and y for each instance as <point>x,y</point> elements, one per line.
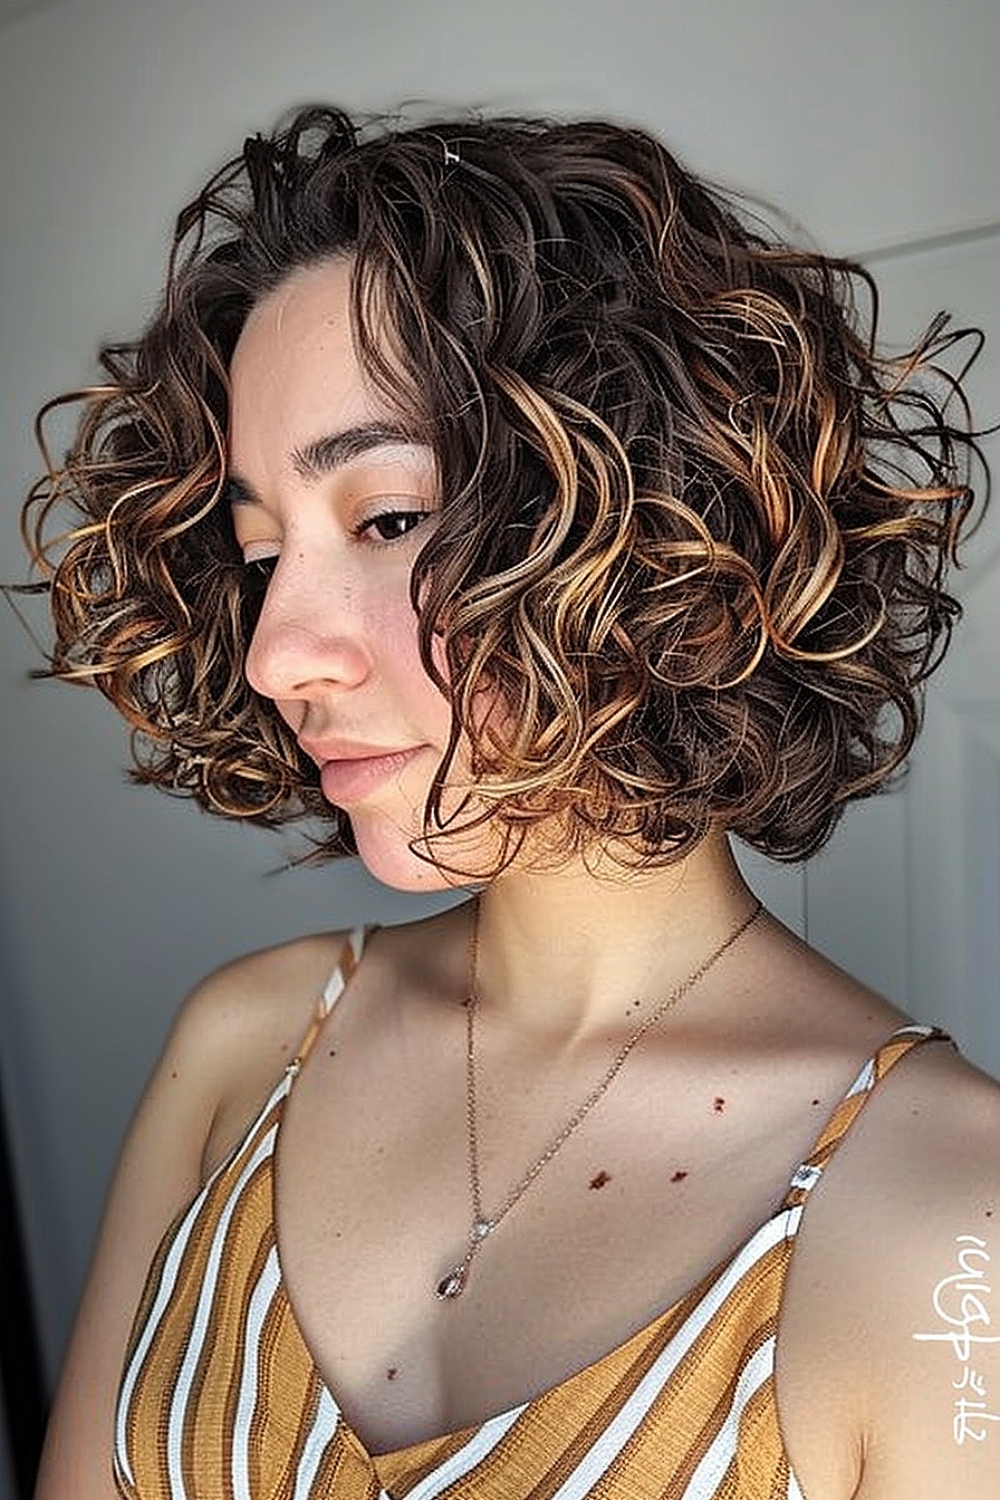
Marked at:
<point>453,1285</point>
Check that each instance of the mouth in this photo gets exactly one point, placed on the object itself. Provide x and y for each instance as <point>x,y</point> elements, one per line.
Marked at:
<point>346,779</point>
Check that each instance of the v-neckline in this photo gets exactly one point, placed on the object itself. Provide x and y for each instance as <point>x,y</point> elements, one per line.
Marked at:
<point>398,1457</point>
<point>779,1224</point>
<point>333,995</point>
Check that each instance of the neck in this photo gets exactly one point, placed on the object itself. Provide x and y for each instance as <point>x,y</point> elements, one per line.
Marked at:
<point>568,951</point>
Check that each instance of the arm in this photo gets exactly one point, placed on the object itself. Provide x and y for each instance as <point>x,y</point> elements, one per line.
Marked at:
<point>225,1051</point>
<point>868,1410</point>
<point>933,1393</point>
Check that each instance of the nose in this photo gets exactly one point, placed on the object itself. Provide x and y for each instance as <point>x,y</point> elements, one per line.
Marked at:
<point>309,637</point>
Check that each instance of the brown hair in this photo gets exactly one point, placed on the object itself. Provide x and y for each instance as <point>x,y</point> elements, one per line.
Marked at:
<point>694,526</point>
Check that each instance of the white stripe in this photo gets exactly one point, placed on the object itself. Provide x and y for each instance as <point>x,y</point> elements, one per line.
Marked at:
<point>618,1431</point>
<point>260,1302</point>
<point>334,986</point>
<point>168,1280</point>
<point>320,1434</point>
<point>794,1493</point>
<point>708,1476</point>
<point>465,1460</point>
<point>864,1080</point>
<point>199,1326</point>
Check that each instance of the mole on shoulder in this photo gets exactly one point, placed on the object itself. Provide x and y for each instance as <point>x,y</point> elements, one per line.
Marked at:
<point>718,1104</point>
<point>601,1179</point>
<point>678,1176</point>
<point>391,1373</point>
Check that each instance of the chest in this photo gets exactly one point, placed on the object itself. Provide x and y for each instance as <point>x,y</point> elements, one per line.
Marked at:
<point>222,1396</point>
<point>663,1181</point>
<point>290,1330</point>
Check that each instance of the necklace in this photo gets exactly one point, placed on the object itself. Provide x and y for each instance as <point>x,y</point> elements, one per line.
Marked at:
<point>482,1225</point>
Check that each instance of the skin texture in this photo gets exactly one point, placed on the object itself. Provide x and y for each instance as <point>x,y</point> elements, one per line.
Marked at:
<point>571,958</point>
<point>341,665</point>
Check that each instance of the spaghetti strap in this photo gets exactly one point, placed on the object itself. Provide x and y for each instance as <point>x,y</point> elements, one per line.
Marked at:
<point>340,977</point>
<point>891,1052</point>
<point>343,969</point>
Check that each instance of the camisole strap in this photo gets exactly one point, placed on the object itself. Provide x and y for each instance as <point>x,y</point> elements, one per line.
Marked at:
<point>892,1051</point>
<point>340,977</point>
<point>343,969</point>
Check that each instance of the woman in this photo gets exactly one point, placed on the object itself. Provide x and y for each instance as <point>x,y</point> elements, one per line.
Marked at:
<point>493,491</point>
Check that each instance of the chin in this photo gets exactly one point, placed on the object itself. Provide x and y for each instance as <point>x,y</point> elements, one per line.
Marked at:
<point>384,849</point>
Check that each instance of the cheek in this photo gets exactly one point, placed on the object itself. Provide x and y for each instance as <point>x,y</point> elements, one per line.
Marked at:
<point>396,630</point>
<point>393,624</point>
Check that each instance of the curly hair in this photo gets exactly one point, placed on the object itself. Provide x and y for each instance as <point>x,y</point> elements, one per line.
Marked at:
<point>695,526</point>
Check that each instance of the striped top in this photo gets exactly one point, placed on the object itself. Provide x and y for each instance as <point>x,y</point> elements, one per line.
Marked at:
<point>220,1398</point>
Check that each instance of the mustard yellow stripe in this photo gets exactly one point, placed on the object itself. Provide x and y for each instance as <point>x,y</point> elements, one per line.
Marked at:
<point>287,1400</point>
<point>403,1468</point>
<point>212,1401</point>
<point>149,1411</point>
<point>760,1466</point>
<point>148,1414</point>
<point>345,1473</point>
<point>686,1417</point>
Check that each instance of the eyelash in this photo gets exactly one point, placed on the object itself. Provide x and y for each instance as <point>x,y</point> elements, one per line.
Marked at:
<point>414,516</point>
<point>266,565</point>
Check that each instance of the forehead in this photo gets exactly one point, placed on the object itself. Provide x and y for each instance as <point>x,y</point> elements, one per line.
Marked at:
<point>310,302</point>
<point>305,320</point>
<point>295,375</point>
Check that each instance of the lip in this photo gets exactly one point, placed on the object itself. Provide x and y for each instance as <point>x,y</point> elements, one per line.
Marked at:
<point>348,774</point>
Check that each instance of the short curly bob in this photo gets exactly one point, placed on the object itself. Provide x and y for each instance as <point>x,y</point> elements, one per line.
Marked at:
<point>694,528</point>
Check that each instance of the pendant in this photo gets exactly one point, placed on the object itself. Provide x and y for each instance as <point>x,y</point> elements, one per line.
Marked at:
<point>453,1285</point>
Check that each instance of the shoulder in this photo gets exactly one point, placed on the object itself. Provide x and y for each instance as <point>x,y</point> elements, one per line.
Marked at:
<point>924,1155</point>
<point>894,1279</point>
<point>243,1023</point>
<point>259,992</point>
<point>933,1287</point>
<point>230,1037</point>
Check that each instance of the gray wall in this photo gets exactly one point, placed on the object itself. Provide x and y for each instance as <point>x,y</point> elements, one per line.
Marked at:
<point>872,124</point>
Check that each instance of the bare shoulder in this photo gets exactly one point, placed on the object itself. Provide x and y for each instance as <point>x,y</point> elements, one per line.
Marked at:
<point>242,1024</point>
<point>933,1399</point>
<point>927,1153</point>
<point>260,993</point>
<point>227,1045</point>
<point>895,1290</point>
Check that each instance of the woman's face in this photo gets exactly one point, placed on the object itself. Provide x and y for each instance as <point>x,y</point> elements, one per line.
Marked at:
<point>335,499</point>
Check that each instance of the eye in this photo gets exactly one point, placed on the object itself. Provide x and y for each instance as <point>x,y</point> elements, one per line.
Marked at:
<point>259,560</point>
<point>393,525</point>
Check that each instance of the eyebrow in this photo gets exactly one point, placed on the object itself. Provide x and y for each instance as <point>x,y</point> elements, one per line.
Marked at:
<point>332,451</point>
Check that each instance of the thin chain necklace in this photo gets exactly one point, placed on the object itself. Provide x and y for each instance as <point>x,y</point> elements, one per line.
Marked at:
<point>482,1225</point>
